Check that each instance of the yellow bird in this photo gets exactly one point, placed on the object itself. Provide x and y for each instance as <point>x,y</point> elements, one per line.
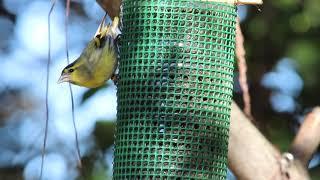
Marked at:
<point>98,60</point>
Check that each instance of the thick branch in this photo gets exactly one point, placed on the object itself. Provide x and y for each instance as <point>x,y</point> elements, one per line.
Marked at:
<point>252,156</point>
<point>112,7</point>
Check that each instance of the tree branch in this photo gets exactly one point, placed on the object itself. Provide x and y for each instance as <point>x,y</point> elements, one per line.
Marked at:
<point>308,138</point>
<point>252,156</point>
<point>112,7</point>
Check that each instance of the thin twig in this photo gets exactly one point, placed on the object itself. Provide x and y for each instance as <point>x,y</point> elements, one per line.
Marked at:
<point>47,91</point>
<point>242,66</point>
<point>70,89</point>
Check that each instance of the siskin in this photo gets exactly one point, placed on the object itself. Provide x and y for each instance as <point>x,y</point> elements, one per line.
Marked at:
<point>98,61</point>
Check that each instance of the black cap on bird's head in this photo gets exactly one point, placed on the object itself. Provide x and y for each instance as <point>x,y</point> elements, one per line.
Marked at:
<point>66,73</point>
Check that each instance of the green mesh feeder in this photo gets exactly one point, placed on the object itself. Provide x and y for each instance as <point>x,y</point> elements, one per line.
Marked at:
<point>175,89</point>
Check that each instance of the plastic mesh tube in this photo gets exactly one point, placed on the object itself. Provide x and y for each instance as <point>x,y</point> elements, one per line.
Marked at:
<point>175,89</point>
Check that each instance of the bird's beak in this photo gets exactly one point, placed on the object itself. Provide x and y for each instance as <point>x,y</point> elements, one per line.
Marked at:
<point>64,78</point>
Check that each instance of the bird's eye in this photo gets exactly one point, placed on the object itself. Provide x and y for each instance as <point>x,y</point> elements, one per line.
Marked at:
<point>70,70</point>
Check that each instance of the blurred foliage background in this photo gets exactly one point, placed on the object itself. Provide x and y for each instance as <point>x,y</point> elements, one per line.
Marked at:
<point>282,43</point>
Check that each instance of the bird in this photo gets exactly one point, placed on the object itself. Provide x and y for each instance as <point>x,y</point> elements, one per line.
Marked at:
<point>97,62</point>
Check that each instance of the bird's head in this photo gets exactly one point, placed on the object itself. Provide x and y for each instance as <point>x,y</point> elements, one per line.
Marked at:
<point>71,74</point>
<point>79,73</point>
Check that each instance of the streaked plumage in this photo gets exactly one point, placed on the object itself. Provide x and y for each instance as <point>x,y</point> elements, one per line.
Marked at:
<point>97,62</point>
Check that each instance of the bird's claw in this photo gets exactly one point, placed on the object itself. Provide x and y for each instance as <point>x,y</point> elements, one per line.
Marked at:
<point>104,30</point>
<point>115,78</point>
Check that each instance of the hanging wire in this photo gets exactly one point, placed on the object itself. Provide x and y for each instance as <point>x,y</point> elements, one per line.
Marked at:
<point>70,88</point>
<point>47,92</point>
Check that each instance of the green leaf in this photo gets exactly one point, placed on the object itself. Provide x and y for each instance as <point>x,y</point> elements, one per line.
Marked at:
<point>90,92</point>
<point>104,133</point>
<point>279,133</point>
